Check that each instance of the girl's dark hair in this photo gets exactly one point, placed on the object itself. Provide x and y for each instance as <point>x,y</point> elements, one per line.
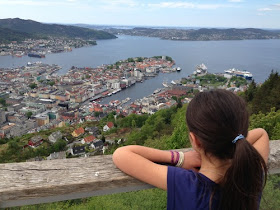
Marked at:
<point>216,118</point>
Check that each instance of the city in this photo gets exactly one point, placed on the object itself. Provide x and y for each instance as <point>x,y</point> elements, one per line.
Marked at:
<point>100,99</point>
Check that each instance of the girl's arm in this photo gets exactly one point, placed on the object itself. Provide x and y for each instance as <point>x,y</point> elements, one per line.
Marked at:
<point>259,139</point>
<point>138,162</point>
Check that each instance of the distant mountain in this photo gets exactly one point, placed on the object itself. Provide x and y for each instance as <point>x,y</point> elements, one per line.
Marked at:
<point>41,29</point>
<point>203,34</point>
<point>7,35</point>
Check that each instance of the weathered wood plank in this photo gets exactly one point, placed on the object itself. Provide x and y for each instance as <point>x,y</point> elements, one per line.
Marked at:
<point>56,180</point>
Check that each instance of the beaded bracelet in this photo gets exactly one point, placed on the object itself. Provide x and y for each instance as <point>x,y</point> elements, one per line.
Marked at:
<point>172,157</point>
<point>177,158</point>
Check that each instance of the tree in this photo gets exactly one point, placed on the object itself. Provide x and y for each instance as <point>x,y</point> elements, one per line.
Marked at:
<point>251,91</point>
<point>265,96</point>
<point>96,114</point>
<point>33,85</point>
<point>168,58</point>
<point>139,59</point>
<point>130,60</point>
<point>103,139</point>
<point>3,101</point>
<point>179,103</point>
<point>51,83</point>
<point>28,114</point>
<point>133,124</point>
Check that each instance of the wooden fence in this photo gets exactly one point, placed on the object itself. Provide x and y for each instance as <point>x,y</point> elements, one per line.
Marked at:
<point>57,180</point>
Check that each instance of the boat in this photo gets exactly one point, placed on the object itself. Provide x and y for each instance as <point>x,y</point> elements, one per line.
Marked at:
<point>200,70</point>
<point>165,84</point>
<point>238,73</point>
<point>178,69</point>
<point>36,55</point>
<point>157,91</point>
<point>173,82</point>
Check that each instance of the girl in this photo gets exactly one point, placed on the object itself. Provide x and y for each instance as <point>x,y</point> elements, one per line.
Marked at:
<point>226,170</point>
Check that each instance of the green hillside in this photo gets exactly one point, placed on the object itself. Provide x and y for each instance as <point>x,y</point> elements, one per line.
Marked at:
<point>40,29</point>
<point>7,36</point>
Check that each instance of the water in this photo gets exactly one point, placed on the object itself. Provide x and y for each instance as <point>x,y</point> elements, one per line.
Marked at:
<point>257,56</point>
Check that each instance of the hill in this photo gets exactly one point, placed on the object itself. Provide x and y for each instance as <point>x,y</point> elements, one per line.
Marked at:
<point>203,34</point>
<point>7,36</point>
<point>263,98</point>
<point>41,29</point>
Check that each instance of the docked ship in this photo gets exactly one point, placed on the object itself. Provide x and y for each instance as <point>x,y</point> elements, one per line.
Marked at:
<point>36,55</point>
<point>173,82</point>
<point>238,73</point>
<point>157,91</point>
<point>200,70</point>
<point>165,84</point>
<point>178,69</point>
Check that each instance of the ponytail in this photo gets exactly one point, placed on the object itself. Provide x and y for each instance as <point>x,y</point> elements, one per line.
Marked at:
<point>244,180</point>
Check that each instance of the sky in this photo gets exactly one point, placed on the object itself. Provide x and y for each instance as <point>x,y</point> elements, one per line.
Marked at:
<point>185,13</point>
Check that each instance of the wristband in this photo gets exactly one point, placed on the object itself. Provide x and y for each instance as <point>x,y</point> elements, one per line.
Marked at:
<point>181,160</point>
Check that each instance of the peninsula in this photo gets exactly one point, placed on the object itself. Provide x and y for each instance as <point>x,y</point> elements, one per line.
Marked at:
<point>20,37</point>
<point>203,34</point>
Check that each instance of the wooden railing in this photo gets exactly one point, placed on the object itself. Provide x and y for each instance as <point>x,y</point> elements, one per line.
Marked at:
<point>57,180</point>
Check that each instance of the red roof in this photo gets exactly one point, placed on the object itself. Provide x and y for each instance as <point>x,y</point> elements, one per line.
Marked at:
<point>89,139</point>
<point>79,131</point>
<point>110,124</point>
<point>98,109</point>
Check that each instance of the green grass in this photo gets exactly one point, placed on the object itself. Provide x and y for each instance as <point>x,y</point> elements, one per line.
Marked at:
<point>145,199</point>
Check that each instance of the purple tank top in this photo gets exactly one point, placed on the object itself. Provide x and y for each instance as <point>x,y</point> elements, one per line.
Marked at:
<point>187,189</point>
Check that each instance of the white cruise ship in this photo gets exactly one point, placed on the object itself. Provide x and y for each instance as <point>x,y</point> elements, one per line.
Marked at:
<point>235,72</point>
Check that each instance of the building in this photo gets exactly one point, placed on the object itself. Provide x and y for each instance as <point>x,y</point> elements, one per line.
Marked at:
<point>2,117</point>
<point>88,139</point>
<point>97,145</point>
<point>55,136</point>
<point>42,119</point>
<point>78,132</point>
<point>108,126</point>
<point>35,141</point>
<point>93,130</point>
<point>57,155</point>
<point>80,150</point>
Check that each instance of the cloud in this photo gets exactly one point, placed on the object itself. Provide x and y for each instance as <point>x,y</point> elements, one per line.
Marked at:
<point>276,5</point>
<point>35,3</point>
<point>129,3</point>
<point>273,7</point>
<point>235,1</point>
<point>187,5</point>
<point>265,9</point>
<point>172,5</point>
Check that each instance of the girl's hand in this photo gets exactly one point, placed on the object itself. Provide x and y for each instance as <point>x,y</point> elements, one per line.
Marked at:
<point>192,160</point>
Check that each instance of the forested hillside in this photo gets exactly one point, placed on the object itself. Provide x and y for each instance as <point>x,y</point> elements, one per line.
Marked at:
<point>7,36</point>
<point>264,97</point>
<point>30,28</point>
